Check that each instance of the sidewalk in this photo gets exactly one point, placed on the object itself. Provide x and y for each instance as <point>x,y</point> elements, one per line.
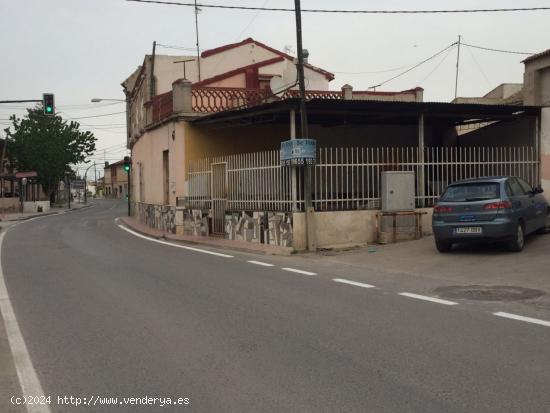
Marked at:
<point>207,241</point>
<point>21,216</point>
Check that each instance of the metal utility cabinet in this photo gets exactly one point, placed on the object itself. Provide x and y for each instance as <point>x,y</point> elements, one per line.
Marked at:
<point>397,190</point>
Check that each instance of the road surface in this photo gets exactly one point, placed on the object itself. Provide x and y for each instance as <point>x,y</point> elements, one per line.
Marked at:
<point>106,313</point>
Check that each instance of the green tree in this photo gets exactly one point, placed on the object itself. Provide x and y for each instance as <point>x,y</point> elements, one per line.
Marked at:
<point>47,145</point>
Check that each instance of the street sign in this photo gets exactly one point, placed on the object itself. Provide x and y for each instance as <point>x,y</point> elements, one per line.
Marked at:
<point>299,152</point>
<point>78,184</point>
<point>29,174</point>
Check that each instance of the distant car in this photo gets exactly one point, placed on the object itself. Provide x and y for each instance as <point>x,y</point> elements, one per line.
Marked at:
<point>489,209</point>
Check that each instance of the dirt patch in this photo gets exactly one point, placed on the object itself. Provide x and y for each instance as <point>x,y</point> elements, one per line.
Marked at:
<point>489,292</point>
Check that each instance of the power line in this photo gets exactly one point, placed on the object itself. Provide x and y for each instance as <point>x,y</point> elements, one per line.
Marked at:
<point>96,116</point>
<point>496,50</point>
<point>436,67</point>
<point>221,6</point>
<point>415,66</point>
<point>188,49</point>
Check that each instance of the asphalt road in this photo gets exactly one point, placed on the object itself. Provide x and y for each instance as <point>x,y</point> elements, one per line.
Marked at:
<point>106,313</point>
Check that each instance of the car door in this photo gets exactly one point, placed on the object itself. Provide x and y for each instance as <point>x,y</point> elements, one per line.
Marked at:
<point>522,204</point>
<point>538,206</point>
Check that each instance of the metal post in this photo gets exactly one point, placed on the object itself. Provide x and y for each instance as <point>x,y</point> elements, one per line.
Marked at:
<point>457,66</point>
<point>421,183</point>
<point>197,35</point>
<point>293,171</point>
<point>128,193</point>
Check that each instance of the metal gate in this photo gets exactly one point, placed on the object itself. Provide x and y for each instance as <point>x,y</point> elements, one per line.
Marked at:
<point>219,197</point>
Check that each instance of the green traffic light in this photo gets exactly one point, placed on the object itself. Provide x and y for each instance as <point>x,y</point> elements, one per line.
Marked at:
<point>127,168</point>
<point>49,109</point>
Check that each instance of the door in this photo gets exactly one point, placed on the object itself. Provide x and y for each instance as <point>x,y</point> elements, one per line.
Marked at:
<point>166,177</point>
<point>537,206</point>
<point>523,204</point>
<point>219,197</point>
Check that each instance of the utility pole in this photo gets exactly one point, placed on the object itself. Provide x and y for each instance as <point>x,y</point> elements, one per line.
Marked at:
<point>304,133</point>
<point>457,65</point>
<point>197,35</point>
<point>152,88</point>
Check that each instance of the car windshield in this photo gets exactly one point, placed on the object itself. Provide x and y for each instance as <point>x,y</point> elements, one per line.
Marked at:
<point>471,192</point>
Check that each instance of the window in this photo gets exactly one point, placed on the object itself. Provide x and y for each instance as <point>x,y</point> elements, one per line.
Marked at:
<point>525,186</point>
<point>478,191</point>
<point>517,190</point>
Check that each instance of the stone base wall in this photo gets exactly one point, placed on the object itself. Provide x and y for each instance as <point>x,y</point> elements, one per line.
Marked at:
<point>161,217</point>
<point>10,205</point>
<point>274,228</point>
<point>195,222</point>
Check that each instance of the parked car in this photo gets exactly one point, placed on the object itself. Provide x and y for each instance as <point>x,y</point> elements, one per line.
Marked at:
<point>489,209</point>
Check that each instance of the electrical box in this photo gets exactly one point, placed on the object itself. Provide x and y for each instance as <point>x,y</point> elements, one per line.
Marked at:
<point>398,191</point>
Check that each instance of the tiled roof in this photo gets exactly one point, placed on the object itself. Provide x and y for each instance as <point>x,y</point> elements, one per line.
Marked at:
<point>537,56</point>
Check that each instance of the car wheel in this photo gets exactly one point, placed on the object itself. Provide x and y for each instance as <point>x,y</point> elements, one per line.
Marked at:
<point>443,246</point>
<point>518,241</point>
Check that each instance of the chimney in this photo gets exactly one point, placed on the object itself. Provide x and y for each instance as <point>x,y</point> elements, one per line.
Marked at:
<point>347,91</point>
<point>181,96</point>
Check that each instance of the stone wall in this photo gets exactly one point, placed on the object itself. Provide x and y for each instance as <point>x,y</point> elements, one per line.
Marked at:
<point>161,217</point>
<point>274,228</point>
<point>195,222</point>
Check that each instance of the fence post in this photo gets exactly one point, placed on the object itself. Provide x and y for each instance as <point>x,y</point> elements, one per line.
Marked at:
<point>421,183</point>
<point>294,188</point>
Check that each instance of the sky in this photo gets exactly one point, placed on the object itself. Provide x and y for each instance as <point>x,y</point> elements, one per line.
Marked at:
<point>84,49</point>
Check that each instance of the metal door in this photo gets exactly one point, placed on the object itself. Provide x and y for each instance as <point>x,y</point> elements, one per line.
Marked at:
<point>219,197</point>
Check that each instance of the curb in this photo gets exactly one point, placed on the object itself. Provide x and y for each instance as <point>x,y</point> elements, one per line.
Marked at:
<point>171,237</point>
<point>45,214</point>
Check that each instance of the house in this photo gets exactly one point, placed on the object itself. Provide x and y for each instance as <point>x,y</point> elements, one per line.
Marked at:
<point>115,180</point>
<point>234,75</point>
<point>206,159</point>
<point>535,90</point>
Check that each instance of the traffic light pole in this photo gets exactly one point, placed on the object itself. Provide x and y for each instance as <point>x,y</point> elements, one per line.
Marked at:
<point>129,186</point>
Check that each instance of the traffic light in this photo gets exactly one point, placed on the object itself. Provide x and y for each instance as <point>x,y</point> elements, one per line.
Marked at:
<point>48,104</point>
<point>126,164</point>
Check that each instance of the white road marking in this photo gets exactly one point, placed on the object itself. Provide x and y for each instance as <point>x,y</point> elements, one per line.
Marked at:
<point>30,385</point>
<point>343,281</point>
<point>522,318</point>
<point>174,245</point>
<point>299,271</point>
<point>263,264</point>
<point>426,298</point>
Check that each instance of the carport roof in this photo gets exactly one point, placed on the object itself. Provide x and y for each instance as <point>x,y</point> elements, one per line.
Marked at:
<point>337,112</point>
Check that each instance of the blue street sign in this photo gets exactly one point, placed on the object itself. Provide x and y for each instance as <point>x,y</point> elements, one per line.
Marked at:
<point>299,152</point>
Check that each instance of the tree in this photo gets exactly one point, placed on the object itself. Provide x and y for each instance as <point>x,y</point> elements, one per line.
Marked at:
<point>47,145</point>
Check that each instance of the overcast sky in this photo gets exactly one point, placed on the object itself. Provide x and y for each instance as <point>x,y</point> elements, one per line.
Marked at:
<point>81,49</point>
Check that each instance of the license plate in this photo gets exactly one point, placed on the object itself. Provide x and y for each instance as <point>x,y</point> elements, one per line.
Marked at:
<point>468,230</point>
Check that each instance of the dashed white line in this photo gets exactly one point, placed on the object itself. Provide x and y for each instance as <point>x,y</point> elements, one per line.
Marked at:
<point>30,385</point>
<point>175,245</point>
<point>298,271</point>
<point>263,264</point>
<point>426,298</point>
<point>522,318</point>
<point>344,281</point>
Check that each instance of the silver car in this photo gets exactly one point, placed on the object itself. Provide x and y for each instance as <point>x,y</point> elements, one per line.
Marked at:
<point>489,209</point>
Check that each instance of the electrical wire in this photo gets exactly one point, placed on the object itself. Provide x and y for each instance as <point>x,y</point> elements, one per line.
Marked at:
<point>495,50</point>
<point>189,49</point>
<point>479,67</point>
<point>94,116</point>
<point>222,6</point>
<point>415,66</point>
<point>436,67</point>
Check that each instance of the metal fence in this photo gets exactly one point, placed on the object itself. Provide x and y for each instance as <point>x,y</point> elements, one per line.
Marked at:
<point>349,178</point>
<point>253,181</point>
